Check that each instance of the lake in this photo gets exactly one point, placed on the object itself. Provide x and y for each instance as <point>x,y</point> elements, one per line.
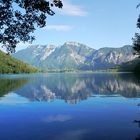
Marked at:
<point>70,106</point>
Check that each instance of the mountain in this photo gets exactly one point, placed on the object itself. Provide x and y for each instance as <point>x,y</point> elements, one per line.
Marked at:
<point>73,55</point>
<point>8,64</point>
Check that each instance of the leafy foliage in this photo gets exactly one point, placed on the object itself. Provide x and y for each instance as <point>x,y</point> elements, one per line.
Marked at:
<point>19,18</point>
<point>130,66</point>
<point>136,43</point>
<point>136,39</point>
<point>9,64</point>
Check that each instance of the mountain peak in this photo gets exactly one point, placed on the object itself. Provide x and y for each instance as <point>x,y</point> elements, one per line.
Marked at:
<point>72,43</point>
<point>74,55</point>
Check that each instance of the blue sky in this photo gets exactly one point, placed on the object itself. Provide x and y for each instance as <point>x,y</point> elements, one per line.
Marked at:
<point>96,23</point>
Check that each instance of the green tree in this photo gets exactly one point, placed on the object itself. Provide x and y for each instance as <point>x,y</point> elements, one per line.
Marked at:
<point>20,18</point>
<point>136,39</point>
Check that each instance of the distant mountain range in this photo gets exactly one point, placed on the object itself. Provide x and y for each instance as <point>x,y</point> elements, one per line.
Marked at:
<point>73,55</point>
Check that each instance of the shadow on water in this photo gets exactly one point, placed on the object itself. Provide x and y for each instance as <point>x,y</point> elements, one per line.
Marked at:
<point>138,122</point>
<point>137,138</point>
<point>137,76</point>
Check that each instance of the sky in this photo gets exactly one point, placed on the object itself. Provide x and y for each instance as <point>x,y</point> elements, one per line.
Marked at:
<point>96,23</point>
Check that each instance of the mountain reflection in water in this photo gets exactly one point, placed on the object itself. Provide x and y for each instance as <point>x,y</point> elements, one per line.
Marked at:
<point>72,88</point>
<point>105,106</point>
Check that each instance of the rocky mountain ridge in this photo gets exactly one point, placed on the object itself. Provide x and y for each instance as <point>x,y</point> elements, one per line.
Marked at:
<point>74,55</point>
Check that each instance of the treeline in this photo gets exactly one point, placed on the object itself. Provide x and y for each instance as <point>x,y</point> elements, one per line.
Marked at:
<point>131,66</point>
<point>76,70</point>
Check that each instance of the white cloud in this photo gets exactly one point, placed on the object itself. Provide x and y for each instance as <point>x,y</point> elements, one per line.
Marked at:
<point>72,134</point>
<point>58,118</point>
<point>72,9</point>
<point>13,99</point>
<point>58,27</point>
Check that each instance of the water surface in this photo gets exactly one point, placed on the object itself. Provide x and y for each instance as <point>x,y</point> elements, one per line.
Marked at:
<point>70,106</point>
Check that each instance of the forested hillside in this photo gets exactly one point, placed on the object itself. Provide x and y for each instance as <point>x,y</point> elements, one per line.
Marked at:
<point>8,64</point>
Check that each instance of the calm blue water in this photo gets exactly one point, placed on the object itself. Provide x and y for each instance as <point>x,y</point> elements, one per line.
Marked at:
<point>70,106</point>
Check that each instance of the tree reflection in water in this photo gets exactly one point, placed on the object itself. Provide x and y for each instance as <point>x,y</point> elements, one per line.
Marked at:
<point>74,88</point>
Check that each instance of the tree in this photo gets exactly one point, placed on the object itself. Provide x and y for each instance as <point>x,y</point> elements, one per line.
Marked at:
<point>136,39</point>
<point>20,18</point>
